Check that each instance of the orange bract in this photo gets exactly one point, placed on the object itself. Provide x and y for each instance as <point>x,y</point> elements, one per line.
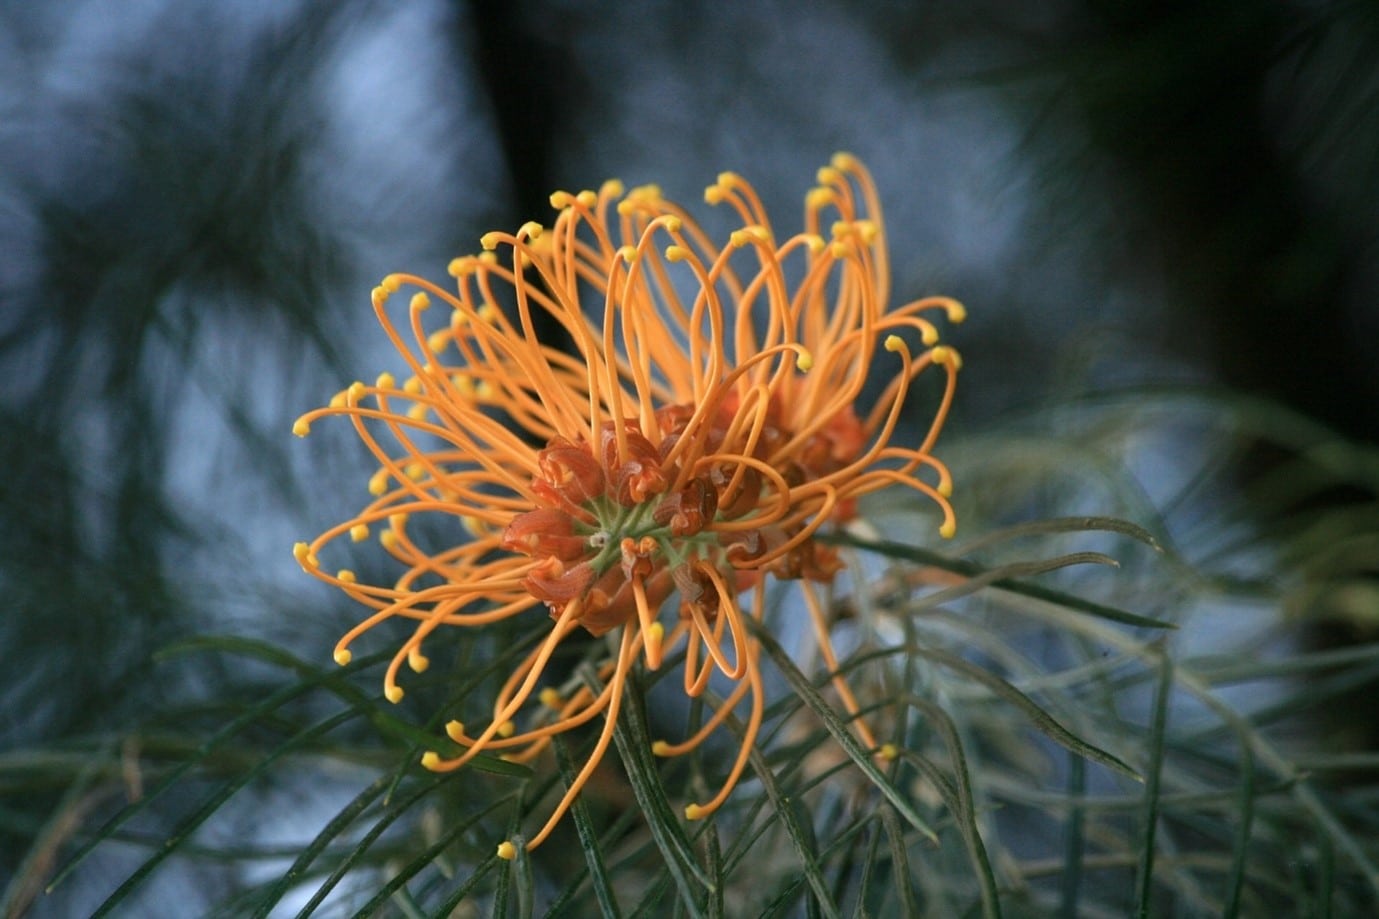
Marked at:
<point>694,438</point>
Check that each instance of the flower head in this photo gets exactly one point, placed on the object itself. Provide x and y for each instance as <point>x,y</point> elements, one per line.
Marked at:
<point>690,441</point>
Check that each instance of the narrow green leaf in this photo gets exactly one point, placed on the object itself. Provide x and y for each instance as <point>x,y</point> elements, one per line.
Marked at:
<point>588,837</point>
<point>1005,577</point>
<point>1144,880</point>
<point>840,731</point>
<point>900,861</point>
<point>800,832</point>
<point>1041,719</point>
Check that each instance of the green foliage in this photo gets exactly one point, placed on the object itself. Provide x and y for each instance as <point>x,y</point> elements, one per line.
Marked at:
<point>1073,741</point>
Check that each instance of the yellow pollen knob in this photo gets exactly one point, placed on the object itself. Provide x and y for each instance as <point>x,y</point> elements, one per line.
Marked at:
<point>693,812</point>
<point>627,206</point>
<point>828,175</point>
<point>888,752</point>
<point>941,355</point>
<point>507,729</point>
<point>844,161</point>
<point>437,340</point>
<point>393,693</point>
<point>612,188</point>
<point>385,381</point>
<point>420,301</point>
<point>816,198</point>
<point>346,576</point>
<point>840,249</point>
<point>948,530</point>
<point>804,362</point>
<point>627,253</point>
<point>418,661</point>
<point>929,336</point>
<point>550,697</point>
<point>455,730</point>
<point>660,748</point>
<point>507,851</point>
<point>587,198</point>
<point>532,229</point>
<point>391,283</point>
<point>301,427</point>
<point>740,238</point>
<point>895,343</point>
<point>343,656</point>
<point>459,267</point>
<point>355,391</point>
<point>561,199</point>
<point>713,195</point>
<point>430,759</point>
<point>302,552</point>
<point>417,412</point>
<point>815,243</point>
<point>945,489</point>
<point>490,240</point>
<point>956,312</point>
<point>388,538</point>
<point>676,253</point>
<point>378,295</point>
<point>338,400</point>
<point>487,258</point>
<point>378,482</point>
<point>412,386</point>
<point>359,532</point>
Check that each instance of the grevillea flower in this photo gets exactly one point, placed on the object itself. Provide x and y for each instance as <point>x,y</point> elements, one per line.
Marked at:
<point>645,480</point>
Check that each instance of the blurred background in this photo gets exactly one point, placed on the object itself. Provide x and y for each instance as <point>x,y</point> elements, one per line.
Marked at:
<point>195,198</point>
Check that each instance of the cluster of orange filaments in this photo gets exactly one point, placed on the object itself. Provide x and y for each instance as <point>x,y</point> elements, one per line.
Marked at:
<point>694,438</point>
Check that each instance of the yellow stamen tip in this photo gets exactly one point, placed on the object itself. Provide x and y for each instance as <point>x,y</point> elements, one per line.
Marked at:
<point>359,532</point>
<point>430,759</point>
<point>804,362</point>
<point>385,381</point>
<point>338,400</point>
<point>302,552</point>
<point>378,295</point>
<point>343,656</point>
<point>815,243</point>
<point>929,336</point>
<point>455,730</point>
<point>844,161</point>
<point>941,355</point>
<point>672,223</point>
<point>840,249</point>
<point>412,386</point>
<point>507,729</point>
<point>532,229</point>
<point>828,175</point>
<point>550,697</point>
<point>587,198</point>
<point>346,576</point>
<point>713,195</point>
<point>945,489</point>
<point>948,530</point>
<point>420,301</point>
<point>355,391</point>
<point>626,207</point>
<point>490,240</point>
<point>301,427</point>
<point>740,238</point>
<point>459,267</point>
<point>418,661</point>
<point>888,752</point>
<point>676,253</point>
<point>816,198</point>
<point>694,812</point>
<point>417,412</point>
<point>561,199</point>
<point>956,312</point>
<point>378,482</point>
<point>627,253</point>
<point>660,748</point>
<point>895,343</point>
<point>393,693</point>
<point>507,851</point>
<point>391,283</point>
<point>388,538</point>
<point>612,188</point>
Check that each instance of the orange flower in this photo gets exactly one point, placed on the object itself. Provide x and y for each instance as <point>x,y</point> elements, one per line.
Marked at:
<point>692,439</point>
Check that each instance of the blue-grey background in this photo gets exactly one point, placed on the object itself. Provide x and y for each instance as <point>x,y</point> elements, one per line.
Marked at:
<point>196,196</point>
